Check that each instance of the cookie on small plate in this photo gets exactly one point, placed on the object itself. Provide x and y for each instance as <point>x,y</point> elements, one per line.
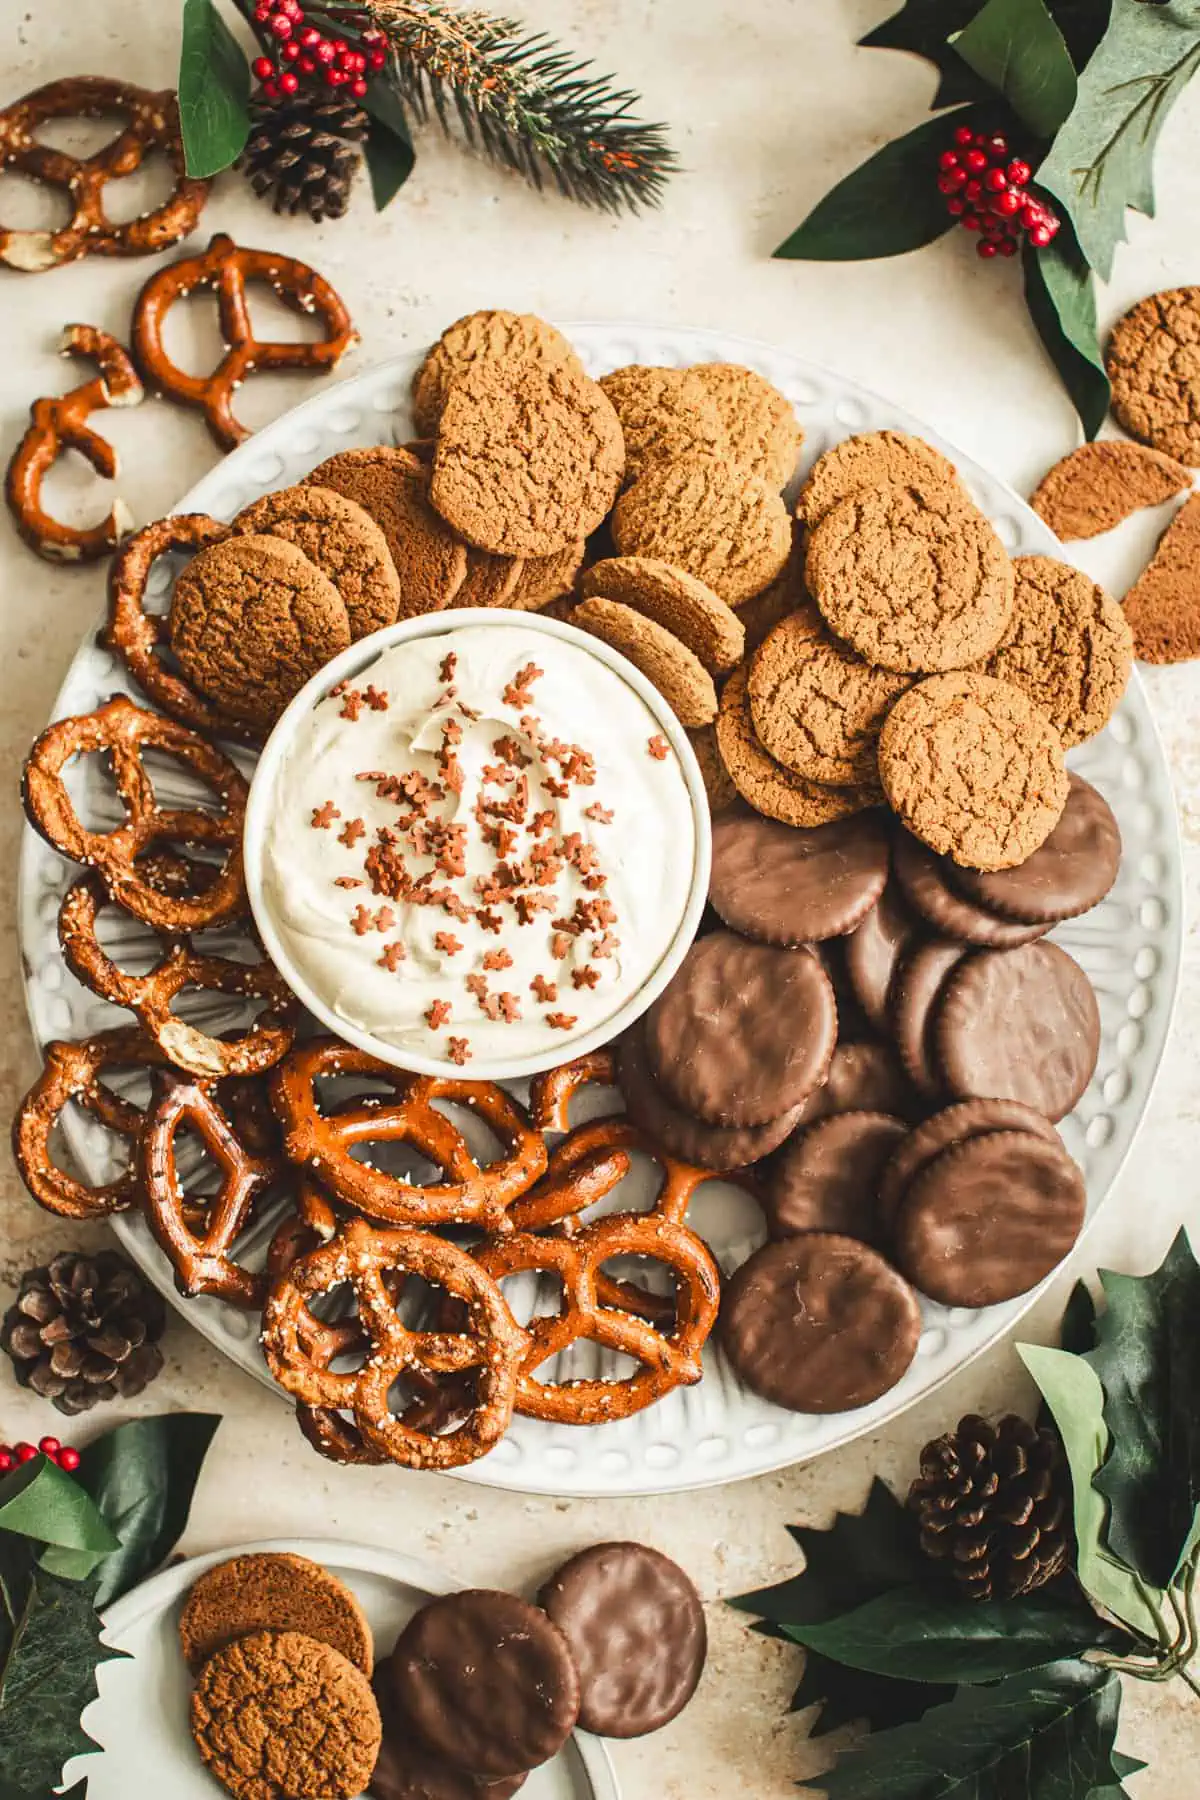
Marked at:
<point>270,1591</point>
<point>705,514</point>
<point>1068,645</point>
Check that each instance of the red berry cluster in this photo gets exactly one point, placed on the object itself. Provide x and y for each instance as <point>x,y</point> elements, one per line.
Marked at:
<point>303,50</point>
<point>986,191</point>
<point>13,1455</point>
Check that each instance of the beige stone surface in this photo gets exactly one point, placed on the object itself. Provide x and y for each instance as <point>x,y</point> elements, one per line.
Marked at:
<point>769,103</point>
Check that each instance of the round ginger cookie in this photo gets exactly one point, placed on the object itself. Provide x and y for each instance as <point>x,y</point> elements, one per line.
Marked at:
<point>493,336</point>
<point>342,540</point>
<point>682,680</point>
<point>819,1323</point>
<point>718,1147</point>
<point>870,460</point>
<point>826,1177</point>
<point>678,602</point>
<point>763,783</point>
<point>393,487</point>
<point>543,580</point>
<point>817,707</point>
<point>1103,482</point>
<point>528,460</point>
<point>974,769</point>
<point>1153,362</point>
<point>710,518</point>
<point>490,580</point>
<point>913,579</point>
<point>916,993</point>
<point>1067,875</point>
<point>785,595</point>
<point>270,1591</point>
<point>762,431</point>
<point>863,1078</point>
<point>664,413</point>
<point>743,1031</point>
<point>636,1628</point>
<point>873,951</point>
<point>952,1125</point>
<point>925,882</point>
<point>780,885</point>
<point>251,620</point>
<point>280,1716</point>
<point>723,797</point>
<point>1068,646</point>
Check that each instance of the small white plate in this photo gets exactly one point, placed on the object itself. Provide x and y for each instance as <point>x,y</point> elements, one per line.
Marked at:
<point>140,1719</point>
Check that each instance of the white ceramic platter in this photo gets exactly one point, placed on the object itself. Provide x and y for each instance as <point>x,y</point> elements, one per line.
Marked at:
<point>140,1718</point>
<point>1130,947</point>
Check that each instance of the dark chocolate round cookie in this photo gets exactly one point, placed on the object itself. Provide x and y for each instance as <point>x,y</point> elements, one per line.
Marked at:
<point>1070,873</point>
<point>743,1031</point>
<point>873,950</point>
<point>718,1147</point>
<point>953,1125</point>
<point>863,1078</point>
<point>783,885</point>
<point>826,1177</point>
<point>636,1628</point>
<point>487,1681</point>
<point>924,878</point>
<point>916,994</point>
<point>819,1323</point>
<point>989,1218</point>
<point>1019,1025</point>
<point>406,1770</point>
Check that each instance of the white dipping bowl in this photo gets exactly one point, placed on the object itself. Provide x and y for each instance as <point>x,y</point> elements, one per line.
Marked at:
<point>356,661</point>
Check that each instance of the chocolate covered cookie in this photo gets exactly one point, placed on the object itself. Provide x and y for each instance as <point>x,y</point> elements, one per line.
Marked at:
<point>872,951</point>
<point>914,998</point>
<point>826,1177</point>
<point>718,1147</point>
<point>953,1125</point>
<point>925,881</point>
<point>863,1078</point>
<point>1067,875</point>
<point>785,886</point>
<point>407,1769</point>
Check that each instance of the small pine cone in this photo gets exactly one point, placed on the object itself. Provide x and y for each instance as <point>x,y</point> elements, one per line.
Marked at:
<point>302,152</point>
<point>84,1329</point>
<point>994,1501</point>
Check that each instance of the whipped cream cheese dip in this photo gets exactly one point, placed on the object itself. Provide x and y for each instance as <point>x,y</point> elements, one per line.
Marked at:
<point>480,847</point>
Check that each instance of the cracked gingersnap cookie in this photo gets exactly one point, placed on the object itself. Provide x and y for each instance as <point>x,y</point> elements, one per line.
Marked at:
<point>528,460</point>
<point>492,336</point>
<point>675,600</point>
<point>1068,646</point>
<point>280,1716</point>
<point>765,784</point>
<point>270,1591</point>
<point>785,595</point>
<point>1163,605</point>
<point>1153,362</point>
<point>679,676</point>
<point>342,539</point>
<point>817,708</point>
<point>710,518</point>
<point>1103,482</point>
<point>872,459</point>
<point>251,620</point>
<point>912,578</point>
<point>393,487</point>
<point>974,769</point>
<point>723,797</point>
<point>545,579</point>
<point>664,414</point>
<point>762,431</point>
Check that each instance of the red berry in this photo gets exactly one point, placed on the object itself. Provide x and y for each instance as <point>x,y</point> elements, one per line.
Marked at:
<point>956,208</point>
<point>987,247</point>
<point>378,59</point>
<point>279,25</point>
<point>358,88</point>
<point>951,182</point>
<point>290,51</point>
<point>310,37</point>
<point>341,46</point>
<point>262,12</point>
<point>998,144</point>
<point>1019,173</point>
<point>972,222</point>
<point>26,1452</point>
<point>49,1446</point>
<point>325,52</point>
<point>1007,247</point>
<point>1040,236</point>
<point>1006,204</point>
<point>263,68</point>
<point>293,10</point>
<point>976,161</point>
<point>948,159</point>
<point>307,66</point>
<point>7,1462</point>
<point>68,1459</point>
<point>964,135</point>
<point>271,89</point>
<point>995,180</point>
<point>1030,215</point>
<point>974,190</point>
<point>288,82</point>
<point>336,78</point>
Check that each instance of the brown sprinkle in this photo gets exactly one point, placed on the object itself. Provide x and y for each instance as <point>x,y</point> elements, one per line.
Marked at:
<point>447,942</point>
<point>323,816</point>
<point>393,956</point>
<point>659,747</point>
<point>561,1021</point>
<point>543,990</point>
<point>437,1014</point>
<point>459,1049</point>
<point>497,959</point>
<point>587,977</point>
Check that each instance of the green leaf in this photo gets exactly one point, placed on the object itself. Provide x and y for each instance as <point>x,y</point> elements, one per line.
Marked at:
<point>40,1501</point>
<point>49,1651</point>
<point>1015,46</point>
<point>1102,159</point>
<point>1060,295</point>
<point>888,205</point>
<point>856,1558</point>
<point>142,1477</point>
<point>1147,1358</point>
<point>924,27</point>
<point>214,91</point>
<point>846,1695</point>
<point>1077,1333</point>
<point>389,150</point>
<point>1044,1735</point>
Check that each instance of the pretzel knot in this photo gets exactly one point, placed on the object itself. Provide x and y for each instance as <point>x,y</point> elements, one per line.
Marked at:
<point>468,1194</point>
<point>198,1232</point>
<point>551,1093</point>
<point>489,1349</point>
<point>61,424</point>
<point>125,731</point>
<point>226,267</point>
<point>153,124</point>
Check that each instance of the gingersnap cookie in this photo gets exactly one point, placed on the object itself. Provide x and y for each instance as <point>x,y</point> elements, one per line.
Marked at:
<point>1067,875</point>
<point>490,580</point>
<point>819,1323</point>
<point>281,1716</point>
<point>685,607</point>
<point>925,882</point>
<point>952,1125</point>
<point>779,885</point>
<point>1163,605</point>
<point>664,414</point>
<point>723,797</point>
<point>817,707</point>
<point>528,460</point>
<point>493,336</point>
<point>680,677</point>
<point>872,459</point>
<point>543,580</point>
<point>974,768</point>
<point>342,540</point>
<point>1153,362</point>
<point>393,487</point>
<point>865,1077</point>
<point>1067,645</point>
<point>707,516</point>
<point>272,1592</point>
<point>914,999</point>
<point>873,950</point>
<point>765,784</point>
<point>251,620</point>
<point>1100,484</point>
<point>717,1147</point>
<point>761,429</point>
<point>989,1218</point>
<point>826,1177</point>
<point>785,595</point>
<point>914,579</point>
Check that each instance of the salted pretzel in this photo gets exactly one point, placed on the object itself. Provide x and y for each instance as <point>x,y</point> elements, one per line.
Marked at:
<point>153,124</point>
<point>551,1093</point>
<point>72,1072</point>
<point>151,997</point>
<point>124,730</point>
<point>468,1194</point>
<point>198,1232</point>
<point>490,1347</point>
<point>227,267</point>
<point>61,424</point>
<point>313,1222</point>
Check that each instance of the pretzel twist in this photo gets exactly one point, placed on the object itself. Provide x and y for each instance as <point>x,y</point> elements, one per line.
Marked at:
<point>551,1093</point>
<point>226,268</point>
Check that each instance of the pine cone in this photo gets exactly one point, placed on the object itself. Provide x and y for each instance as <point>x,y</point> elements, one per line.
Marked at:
<point>994,1501</point>
<point>84,1329</point>
<point>298,152</point>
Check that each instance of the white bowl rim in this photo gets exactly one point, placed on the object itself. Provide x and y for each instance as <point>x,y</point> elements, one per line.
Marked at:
<point>355,661</point>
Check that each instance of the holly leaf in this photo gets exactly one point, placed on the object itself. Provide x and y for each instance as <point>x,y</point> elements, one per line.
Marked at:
<point>1019,51</point>
<point>845,1695</point>
<point>924,28</point>
<point>888,205</point>
<point>1060,296</point>
<point>388,149</point>
<point>1077,1333</point>
<point>50,1649</point>
<point>858,1557</point>
<point>142,1477</point>
<point>41,1502</point>
<point>1101,161</point>
<point>214,91</point>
